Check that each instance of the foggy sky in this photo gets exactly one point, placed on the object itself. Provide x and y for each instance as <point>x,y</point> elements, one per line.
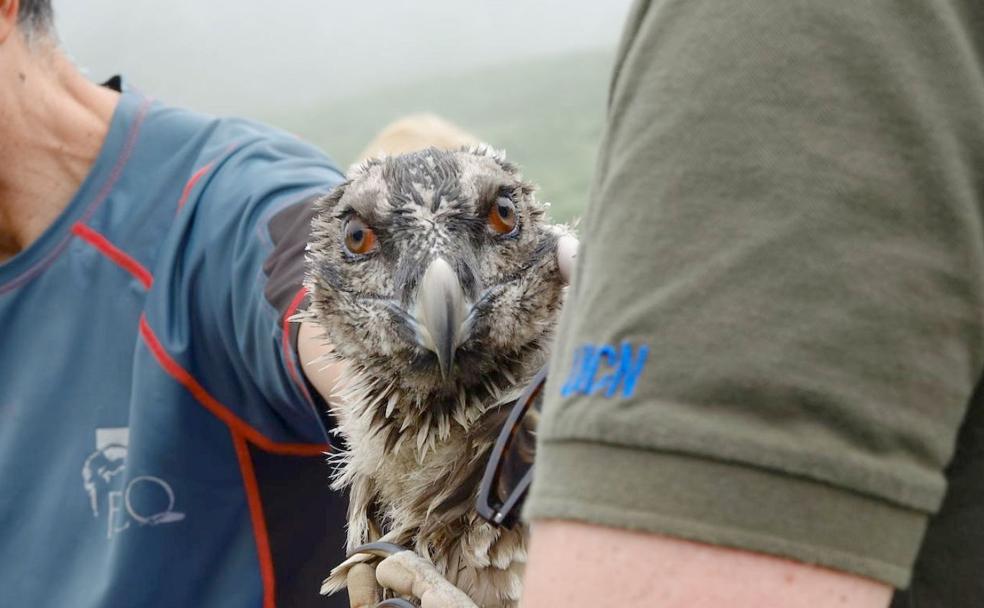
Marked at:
<point>244,56</point>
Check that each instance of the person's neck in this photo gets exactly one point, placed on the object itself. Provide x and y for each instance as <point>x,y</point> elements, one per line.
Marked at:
<point>52,125</point>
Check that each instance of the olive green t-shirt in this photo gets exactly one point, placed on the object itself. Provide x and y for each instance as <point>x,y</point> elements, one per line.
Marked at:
<point>774,335</point>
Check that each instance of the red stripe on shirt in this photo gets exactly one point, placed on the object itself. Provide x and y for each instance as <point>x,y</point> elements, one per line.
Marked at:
<point>223,413</point>
<point>289,355</point>
<point>191,184</point>
<point>114,253</point>
<point>256,517</point>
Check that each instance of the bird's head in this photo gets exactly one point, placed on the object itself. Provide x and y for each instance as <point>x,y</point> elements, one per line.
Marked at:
<point>436,271</point>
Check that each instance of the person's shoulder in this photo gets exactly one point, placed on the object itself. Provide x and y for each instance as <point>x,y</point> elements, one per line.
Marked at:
<point>228,145</point>
<point>243,162</point>
<point>250,160</point>
<point>261,142</point>
<point>256,181</point>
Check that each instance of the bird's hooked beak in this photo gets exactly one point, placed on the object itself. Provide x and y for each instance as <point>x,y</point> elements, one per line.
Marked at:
<point>441,311</point>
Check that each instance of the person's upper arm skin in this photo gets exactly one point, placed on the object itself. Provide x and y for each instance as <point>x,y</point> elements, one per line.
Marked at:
<point>774,329</point>
<point>312,350</point>
<point>577,564</point>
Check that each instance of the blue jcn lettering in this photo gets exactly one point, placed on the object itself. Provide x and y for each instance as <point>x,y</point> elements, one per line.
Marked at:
<point>623,366</point>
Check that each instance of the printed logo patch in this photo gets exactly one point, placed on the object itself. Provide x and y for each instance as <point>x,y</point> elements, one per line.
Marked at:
<point>606,370</point>
<point>146,500</point>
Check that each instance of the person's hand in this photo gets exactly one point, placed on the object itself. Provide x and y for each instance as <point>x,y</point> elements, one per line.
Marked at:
<point>407,574</point>
<point>566,253</point>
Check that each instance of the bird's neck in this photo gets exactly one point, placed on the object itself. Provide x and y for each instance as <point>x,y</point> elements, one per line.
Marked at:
<point>407,417</point>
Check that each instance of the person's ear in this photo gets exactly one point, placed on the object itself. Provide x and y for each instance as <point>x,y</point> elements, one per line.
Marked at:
<point>8,18</point>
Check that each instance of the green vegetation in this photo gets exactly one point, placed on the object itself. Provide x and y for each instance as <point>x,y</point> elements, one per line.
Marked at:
<point>546,114</point>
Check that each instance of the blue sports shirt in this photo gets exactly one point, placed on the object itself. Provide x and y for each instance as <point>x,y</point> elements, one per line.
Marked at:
<point>159,445</point>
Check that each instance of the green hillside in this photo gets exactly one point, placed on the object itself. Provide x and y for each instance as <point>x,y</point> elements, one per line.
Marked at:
<point>547,114</point>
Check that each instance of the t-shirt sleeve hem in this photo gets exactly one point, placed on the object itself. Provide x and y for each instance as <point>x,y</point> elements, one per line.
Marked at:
<point>727,504</point>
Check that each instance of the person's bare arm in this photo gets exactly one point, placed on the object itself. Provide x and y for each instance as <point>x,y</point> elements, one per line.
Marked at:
<point>580,565</point>
<point>311,349</point>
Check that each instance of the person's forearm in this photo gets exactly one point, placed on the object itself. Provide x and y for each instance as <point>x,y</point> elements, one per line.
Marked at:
<point>580,565</point>
<point>311,350</point>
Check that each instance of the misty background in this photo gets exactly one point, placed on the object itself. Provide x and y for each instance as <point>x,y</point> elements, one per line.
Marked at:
<point>527,76</point>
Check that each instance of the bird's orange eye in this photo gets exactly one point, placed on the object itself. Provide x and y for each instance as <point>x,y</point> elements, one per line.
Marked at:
<point>502,216</point>
<point>359,238</point>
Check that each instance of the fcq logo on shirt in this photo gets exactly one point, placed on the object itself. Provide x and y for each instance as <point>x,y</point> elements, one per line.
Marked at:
<point>146,500</point>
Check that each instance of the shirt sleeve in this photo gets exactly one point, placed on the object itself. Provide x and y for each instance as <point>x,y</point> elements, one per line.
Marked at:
<point>775,321</point>
<point>241,274</point>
